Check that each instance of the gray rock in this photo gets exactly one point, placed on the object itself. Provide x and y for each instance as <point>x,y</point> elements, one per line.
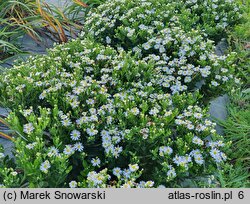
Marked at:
<point>221,47</point>
<point>3,112</point>
<point>8,147</point>
<point>59,3</point>
<point>218,106</point>
<point>7,144</point>
<point>218,111</point>
<point>199,84</point>
<point>8,63</point>
<point>31,46</point>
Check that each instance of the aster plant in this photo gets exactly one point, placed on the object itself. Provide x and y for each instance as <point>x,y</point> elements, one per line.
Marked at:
<point>121,105</point>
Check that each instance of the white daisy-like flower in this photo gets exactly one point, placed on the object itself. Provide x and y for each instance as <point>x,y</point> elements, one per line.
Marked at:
<point>163,150</point>
<point>75,135</point>
<point>28,128</point>
<point>214,83</point>
<point>91,131</point>
<point>141,184</point>
<point>220,143</point>
<point>216,154</point>
<point>212,144</point>
<point>53,152</point>
<point>146,46</point>
<point>31,145</point>
<point>43,95</point>
<point>68,150</point>
<point>117,171</point>
<point>198,159</point>
<point>171,173</point>
<point>197,140</point>
<point>237,81</point>
<point>45,166</point>
<point>162,49</point>
<point>149,184</point>
<point>126,185</point>
<point>82,120</point>
<point>109,120</point>
<point>182,160</point>
<point>154,111</point>
<point>78,147</point>
<point>90,101</point>
<point>72,184</point>
<point>74,103</point>
<point>190,126</point>
<point>135,111</point>
<point>198,115</point>
<point>96,161</point>
<point>27,112</point>
<point>223,156</point>
<point>39,83</point>
<point>168,113</point>
<point>133,167</point>
<point>126,173</point>
<point>14,173</point>
<point>66,122</point>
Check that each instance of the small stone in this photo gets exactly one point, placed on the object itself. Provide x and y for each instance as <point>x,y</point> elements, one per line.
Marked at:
<point>218,110</point>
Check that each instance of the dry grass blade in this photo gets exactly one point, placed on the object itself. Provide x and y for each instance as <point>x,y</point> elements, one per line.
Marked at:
<point>45,15</point>
<point>3,122</point>
<point>56,10</point>
<point>24,24</point>
<point>3,135</point>
<point>15,15</point>
<point>5,44</point>
<point>62,35</point>
<point>52,22</point>
<point>80,3</point>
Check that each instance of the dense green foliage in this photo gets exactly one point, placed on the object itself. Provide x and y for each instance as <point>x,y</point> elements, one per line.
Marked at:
<point>121,106</point>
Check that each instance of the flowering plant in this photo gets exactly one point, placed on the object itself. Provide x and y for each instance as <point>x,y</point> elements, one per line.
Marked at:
<point>185,58</point>
<point>215,16</point>
<point>127,23</point>
<point>84,108</point>
<point>123,113</point>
